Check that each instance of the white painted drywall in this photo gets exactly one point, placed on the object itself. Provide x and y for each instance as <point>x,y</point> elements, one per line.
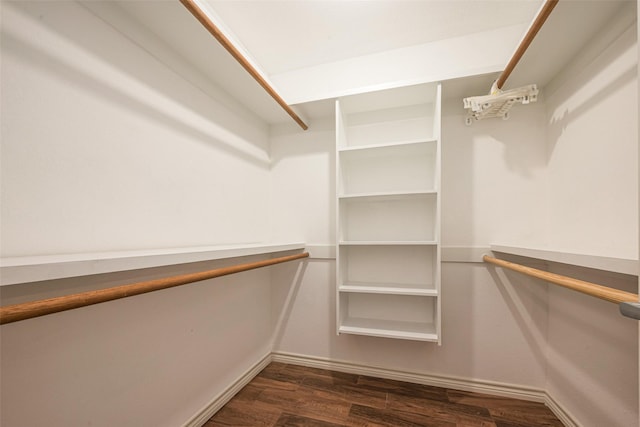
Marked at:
<point>136,116</point>
<point>507,181</point>
<point>593,208</point>
<point>492,324</point>
<point>487,336</point>
<point>154,359</point>
<point>303,182</point>
<point>493,177</point>
<point>105,147</point>
<point>592,143</point>
<point>592,368</point>
<point>478,53</point>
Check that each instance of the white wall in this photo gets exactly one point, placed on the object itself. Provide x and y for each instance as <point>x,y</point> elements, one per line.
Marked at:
<point>158,359</point>
<point>592,145</point>
<point>106,148</point>
<point>592,352</point>
<point>303,182</point>
<point>592,115</point>
<point>491,176</point>
<point>154,359</point>
<point>477,53</point>
<point>486,336</point>
<point>561,173</point>
<point>101,137</point>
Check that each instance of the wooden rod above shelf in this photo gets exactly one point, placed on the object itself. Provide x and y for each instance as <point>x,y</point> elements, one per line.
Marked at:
<point>201,16</point>
<point>28,310</point>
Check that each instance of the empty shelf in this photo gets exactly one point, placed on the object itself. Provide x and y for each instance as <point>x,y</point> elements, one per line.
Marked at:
<point>389,243</point>
<point>405,143</point>
<point>390,195</point>
<point>390,329</point>
<point>391,289</point>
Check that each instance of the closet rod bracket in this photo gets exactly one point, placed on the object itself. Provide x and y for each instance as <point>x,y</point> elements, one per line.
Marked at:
<point>630,309</point>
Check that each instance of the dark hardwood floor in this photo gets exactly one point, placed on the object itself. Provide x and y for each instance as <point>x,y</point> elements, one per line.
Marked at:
<point>290,395</point>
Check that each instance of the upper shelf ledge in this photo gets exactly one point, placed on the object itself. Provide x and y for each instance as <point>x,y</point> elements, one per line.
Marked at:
<point>36,268</point>
<point>617,265</point>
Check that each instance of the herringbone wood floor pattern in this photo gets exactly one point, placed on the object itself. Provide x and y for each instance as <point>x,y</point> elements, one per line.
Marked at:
<point>289,395</point>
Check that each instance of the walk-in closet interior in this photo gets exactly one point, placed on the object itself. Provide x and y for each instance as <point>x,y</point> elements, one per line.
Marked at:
<point>193,192</point>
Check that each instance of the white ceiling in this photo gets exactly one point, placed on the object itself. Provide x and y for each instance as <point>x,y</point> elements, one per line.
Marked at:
<point>281,36</point>
<point>288,35</point>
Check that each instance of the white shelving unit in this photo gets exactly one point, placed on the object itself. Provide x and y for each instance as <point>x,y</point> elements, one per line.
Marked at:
<point>388,213</point>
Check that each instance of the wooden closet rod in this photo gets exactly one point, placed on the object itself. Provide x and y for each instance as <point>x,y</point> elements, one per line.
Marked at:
<point>226,43</point>
<point>28,310</point>
<point>544,13</point>
<point>598,291</point>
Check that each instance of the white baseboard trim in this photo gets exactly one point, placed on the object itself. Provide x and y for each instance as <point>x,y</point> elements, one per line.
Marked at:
<point>220,400</point>
<point>487,387</point>
<point>456,383</point>
<point>563,415</point>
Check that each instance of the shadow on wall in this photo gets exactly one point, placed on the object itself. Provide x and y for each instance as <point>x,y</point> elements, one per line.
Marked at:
<point>286,280</point>
<point>532,331</point>
<point>303,165</point>
<point>519,137</point>
<point>583,391</point>
<point>593,358</point>
<point>318,140</point>
<point>492,178</point>
<point>129,78</point>
<point>585,90</point>
<point>152,359</point>
<point>589,350</point>
<point>559,122</point>
<point>32,291</point>
<point>459,309</point>
<point>216,100</point>
<point>457,177</point>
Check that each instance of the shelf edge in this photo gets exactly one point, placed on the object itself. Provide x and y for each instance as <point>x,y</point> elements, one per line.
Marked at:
<point>386,145</point>
<point>15,270</point>
<point>612,264</point>
<point>373,332</point>
<point>388,243</point>
<point>382,195</point>
<point>388,290</point>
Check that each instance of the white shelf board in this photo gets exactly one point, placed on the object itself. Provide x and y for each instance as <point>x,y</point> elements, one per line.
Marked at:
<point>387,145</point>
<point>617,265</point>
<point>386,195</point>
<point>36,268</point>
<point>390,329</point>
<point>388,289</point>
<point>388,243</point>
